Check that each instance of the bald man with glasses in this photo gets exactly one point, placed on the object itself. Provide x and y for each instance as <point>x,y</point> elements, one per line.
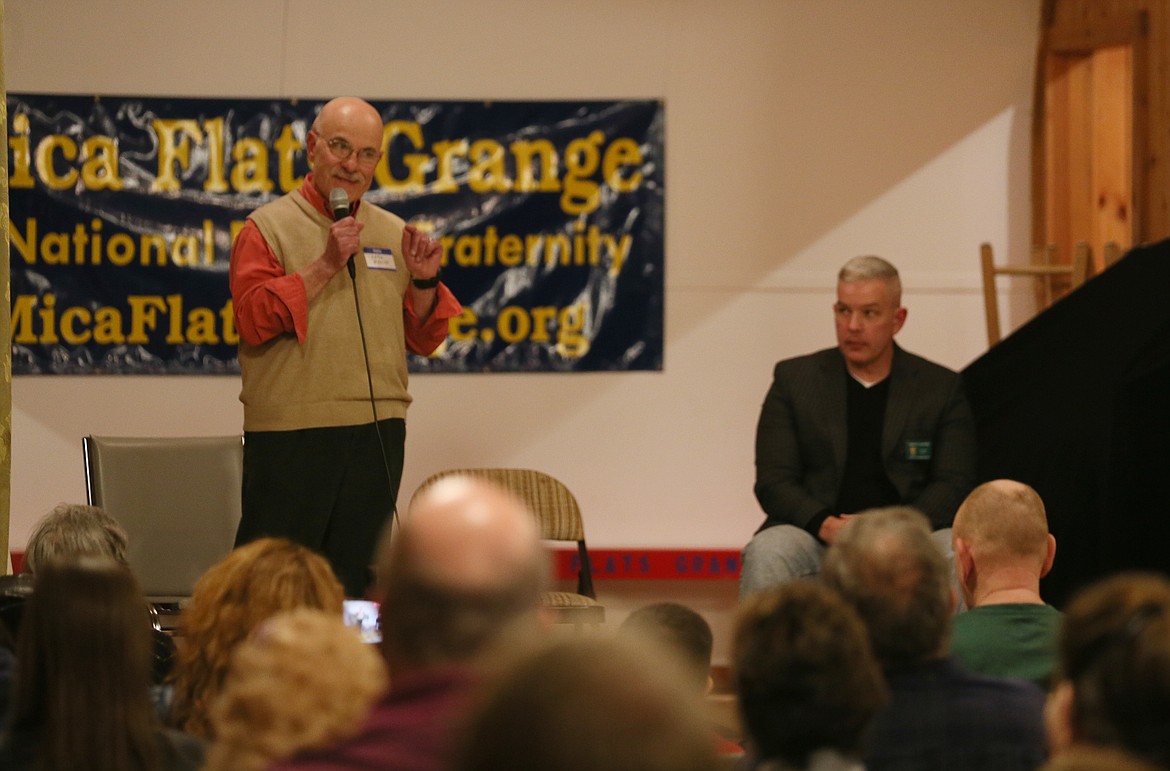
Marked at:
<point>323,436</point>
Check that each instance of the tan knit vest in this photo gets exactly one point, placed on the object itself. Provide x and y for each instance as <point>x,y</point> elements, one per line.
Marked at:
<point>287,386</point>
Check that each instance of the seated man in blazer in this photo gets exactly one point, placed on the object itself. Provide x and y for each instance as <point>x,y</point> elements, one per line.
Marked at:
<point>855,427</point>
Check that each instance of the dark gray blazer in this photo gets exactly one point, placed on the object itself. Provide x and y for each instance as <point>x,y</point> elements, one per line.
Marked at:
<point>928,440</point>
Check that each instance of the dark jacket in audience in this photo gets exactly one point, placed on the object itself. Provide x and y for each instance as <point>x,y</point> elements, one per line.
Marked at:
<point>942,716</point>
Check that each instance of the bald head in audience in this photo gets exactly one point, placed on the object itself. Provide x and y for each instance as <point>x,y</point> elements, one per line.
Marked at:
<point>465,567</point>
<point>1002,550</point>
<point>459,579</point>
<point>1002,544</point>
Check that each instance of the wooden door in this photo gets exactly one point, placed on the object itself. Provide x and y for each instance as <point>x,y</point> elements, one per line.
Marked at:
<point>1089,137</point>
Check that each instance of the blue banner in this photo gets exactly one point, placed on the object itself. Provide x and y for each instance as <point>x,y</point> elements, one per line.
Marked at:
<point>123,211</point>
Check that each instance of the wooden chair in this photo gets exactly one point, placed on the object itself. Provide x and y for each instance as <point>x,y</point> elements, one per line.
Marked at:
<point>178,499</point>
<point>559,515</point>
<point>1111,253</point>
<point>1044,268</point>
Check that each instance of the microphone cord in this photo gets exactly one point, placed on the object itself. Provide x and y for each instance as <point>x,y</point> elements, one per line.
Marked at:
<point>373,403</point>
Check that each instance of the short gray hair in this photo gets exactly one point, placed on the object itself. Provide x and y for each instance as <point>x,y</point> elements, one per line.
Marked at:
<point>75,530</point>
<point>869,268</point>
<point>887,565</point>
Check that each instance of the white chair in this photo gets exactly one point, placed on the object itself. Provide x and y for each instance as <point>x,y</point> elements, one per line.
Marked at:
<point>178,499</point>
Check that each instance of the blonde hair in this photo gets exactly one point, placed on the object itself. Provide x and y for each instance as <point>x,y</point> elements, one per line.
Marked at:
<point>1004,520</point>
<point>75,530</point>
<point>302,680</point>
<point>250,585</point>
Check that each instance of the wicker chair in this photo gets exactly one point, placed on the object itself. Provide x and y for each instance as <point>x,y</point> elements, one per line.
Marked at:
<point>560,520</point>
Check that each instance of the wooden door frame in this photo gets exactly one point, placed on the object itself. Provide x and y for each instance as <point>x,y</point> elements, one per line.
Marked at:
<point>1129,29</point>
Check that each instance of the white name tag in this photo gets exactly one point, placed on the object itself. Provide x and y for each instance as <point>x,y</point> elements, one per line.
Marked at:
<point>379,259</point>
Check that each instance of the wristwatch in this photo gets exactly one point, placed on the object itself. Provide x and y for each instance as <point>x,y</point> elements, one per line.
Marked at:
<point>427,283</point>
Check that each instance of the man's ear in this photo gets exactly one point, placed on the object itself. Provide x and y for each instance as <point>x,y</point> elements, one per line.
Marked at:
<point>899,319</point>
<point>965,573</point>
<point>1050,556</point>
<point>964,563</point>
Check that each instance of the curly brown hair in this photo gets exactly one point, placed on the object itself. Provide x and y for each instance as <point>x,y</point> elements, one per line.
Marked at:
<point>250,585</point>
<point>302,680</point>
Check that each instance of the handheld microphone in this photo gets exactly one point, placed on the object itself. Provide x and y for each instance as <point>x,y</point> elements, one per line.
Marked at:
<point>339,203</point>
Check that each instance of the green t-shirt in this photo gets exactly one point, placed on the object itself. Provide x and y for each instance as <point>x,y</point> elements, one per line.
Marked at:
<point>1010,640</point>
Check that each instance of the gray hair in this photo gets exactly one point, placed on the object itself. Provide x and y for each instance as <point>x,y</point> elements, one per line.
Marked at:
<point>75,530</point>
<point>870,268</point>
<point>887,565</point>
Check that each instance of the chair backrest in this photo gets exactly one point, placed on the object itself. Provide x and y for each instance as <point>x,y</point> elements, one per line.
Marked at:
<point>1043,267</point>
<point>553,504</point>
<point>178,499</point>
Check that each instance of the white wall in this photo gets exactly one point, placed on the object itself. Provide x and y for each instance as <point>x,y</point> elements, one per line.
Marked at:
<point>799,133</point>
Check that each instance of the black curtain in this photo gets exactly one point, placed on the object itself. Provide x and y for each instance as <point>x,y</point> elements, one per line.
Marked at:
<point>1076,403</point>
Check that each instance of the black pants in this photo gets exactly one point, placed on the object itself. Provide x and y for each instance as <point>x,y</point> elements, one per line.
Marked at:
<point>325,488</point>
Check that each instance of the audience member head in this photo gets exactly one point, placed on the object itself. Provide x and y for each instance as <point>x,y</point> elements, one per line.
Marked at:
<point>463,569</point>
<point>868,314</point>
<point>679,630</point>
<point>83,681</point>
<point>252,584</point>
<point>805,674</point>
<point>70,531</point>
<point>302,680</point>
<point>1113,674</point>
<point>1001,542</point>
<point>886,565</point>
<point>74,530</point>
<point>583,704</point>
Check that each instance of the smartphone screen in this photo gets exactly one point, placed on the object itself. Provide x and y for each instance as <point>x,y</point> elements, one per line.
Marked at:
<point>363,616</point>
